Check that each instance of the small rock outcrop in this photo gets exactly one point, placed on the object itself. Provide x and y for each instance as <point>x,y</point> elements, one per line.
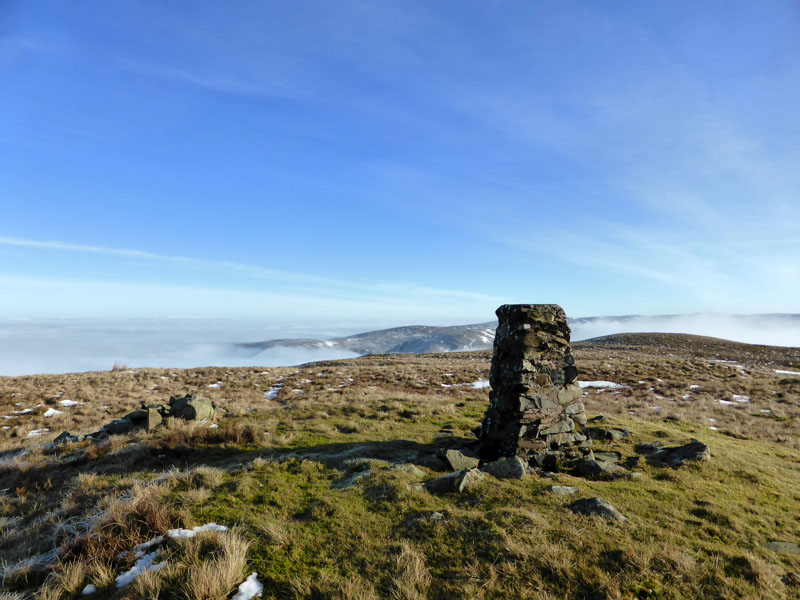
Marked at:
<point>562,490</point>
<point>675,456</point>
<point>534,412</point>
<point>512,467</point>
<point>597,507</point>
<point>461,481</point>
<point>191,407</point>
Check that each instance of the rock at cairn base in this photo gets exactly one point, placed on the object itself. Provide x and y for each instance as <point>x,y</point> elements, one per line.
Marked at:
<point>534,409</point>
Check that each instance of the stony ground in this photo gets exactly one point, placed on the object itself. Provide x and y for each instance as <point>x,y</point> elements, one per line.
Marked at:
<point>314,471</point>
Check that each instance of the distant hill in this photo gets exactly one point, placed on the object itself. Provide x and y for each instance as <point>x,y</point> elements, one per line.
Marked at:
<point>772,329</point>
<point>412,339</point>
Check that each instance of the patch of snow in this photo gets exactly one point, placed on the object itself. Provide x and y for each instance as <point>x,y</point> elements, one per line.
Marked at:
<point>694,387</point>
<point>273,392</point>
<point>765,411</point>
<point>655,408</point>
<point>712,420</point>
<point>215,386</point>
<point>52,412</point>
<point>600,384</point>
<point>139,550</point>
<point>298,391</point>
<point>481,384</point>
<point>24,411</point>
<point>779,372</point>
<point>69,403</point>
<point>714,428</point>
<point>177,534</point>
<point>249,588</point>
<point>37,432</point>
<point>687,396</point>
<point>6,427</point>
<point>144,564</point>
<point>726,402</point>
<point>741,399</point>
<point>88,590</point>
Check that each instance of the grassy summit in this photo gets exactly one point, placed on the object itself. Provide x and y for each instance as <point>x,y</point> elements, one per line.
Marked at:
<point>313,470</point>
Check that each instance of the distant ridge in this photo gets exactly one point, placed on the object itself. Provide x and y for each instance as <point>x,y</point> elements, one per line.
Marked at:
<point>421,339</point>
<point>412,339</point>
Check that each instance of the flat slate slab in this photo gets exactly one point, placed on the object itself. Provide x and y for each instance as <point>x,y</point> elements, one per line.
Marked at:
<point>562,490</point>
<point>784,547</point>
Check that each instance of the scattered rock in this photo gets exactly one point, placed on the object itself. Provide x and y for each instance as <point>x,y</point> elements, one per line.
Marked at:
<point>455,482</point>
<point>612,457</point>
<point>155,417</point>
<point>693,451</point>
<point>137,416</point>
<point>607,433</point>
<point>459,460</point>
<point>562,490</point>
<point>784,547</point>
<point>191,407</point>
<point>596,469</point>
<point>597,507</point>
<point>119,426</point>
<point>410,469</point>
<point>64,437</point>
<point>512,467</point>
<point>648,449</point>
<point>675,456</point>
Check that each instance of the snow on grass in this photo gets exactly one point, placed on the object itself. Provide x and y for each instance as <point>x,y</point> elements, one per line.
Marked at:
<point>24,411</point>
<point>144,564</point>
<point>741,399</point>
<point>88,590</point>
<point>481,384</point>
<point>215,386</point>
<point>37,432</point>
<point>779,372</point>
<point>601,384</point>
<point>177,534</point>
<point>249,588</point>
<point>694,387</point>
<point>52,412</point>
<point>273,392</point>
<point>727,402</point>
<point>69,403</point>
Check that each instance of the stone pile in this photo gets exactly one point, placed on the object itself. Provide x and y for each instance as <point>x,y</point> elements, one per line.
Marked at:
<point>148,417</point>
<point>534,410</point>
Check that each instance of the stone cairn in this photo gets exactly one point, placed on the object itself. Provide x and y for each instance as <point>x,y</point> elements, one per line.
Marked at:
<point>534,409</point>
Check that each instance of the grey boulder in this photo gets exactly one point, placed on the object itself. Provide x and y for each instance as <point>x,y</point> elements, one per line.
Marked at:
<point>512,467</point>
<point>597,507</point>
<point>454,482</point>
<point>191,407</point>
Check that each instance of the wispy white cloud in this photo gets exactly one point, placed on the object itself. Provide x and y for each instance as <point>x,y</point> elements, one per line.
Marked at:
<point>227,84</point>
<point>314,295</point>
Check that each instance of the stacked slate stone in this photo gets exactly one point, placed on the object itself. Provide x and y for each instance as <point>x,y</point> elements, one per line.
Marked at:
<point>534,409</point>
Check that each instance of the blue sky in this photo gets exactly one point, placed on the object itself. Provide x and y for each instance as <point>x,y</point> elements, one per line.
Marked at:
<point>397,162</point>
